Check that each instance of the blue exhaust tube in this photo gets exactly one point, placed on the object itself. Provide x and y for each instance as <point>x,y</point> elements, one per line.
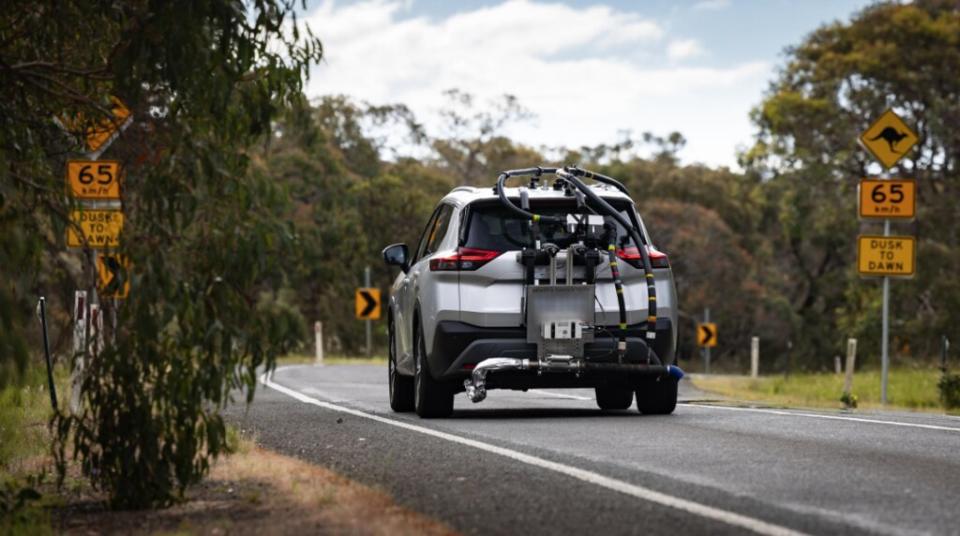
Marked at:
<point>674,372</point>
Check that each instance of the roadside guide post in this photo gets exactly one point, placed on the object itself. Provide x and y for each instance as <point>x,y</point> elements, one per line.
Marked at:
<point>851,363</point>
<point>754,357</point>
<point>944,348</point>
<point>318,335</point>
<point>888,139</point>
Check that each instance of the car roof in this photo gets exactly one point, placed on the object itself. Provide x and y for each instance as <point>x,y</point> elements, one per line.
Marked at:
<point>464,195</point>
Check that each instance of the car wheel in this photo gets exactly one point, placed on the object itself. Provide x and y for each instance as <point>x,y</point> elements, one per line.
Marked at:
<point>401,387</point>
<point>612,397</point>
<point>657,397</point>
<point>431,398</point>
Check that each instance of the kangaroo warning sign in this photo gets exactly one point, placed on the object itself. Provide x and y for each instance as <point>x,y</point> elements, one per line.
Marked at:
<point>100,228</point>
<point>888,138</point>
<point>101,135</point>
<point>892,256</point>
<point>89,179</point>
<point>893,198</point>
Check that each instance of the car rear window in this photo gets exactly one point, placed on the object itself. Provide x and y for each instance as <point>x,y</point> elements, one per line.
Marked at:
<point>494,227</point>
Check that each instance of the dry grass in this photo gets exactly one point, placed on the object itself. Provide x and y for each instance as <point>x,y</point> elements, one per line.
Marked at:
<point>910,388</point>
<point>255,491</point>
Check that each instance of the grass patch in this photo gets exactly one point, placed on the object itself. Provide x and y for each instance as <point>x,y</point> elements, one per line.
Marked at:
<point>25,440</point>
<point>25,414</point>
<point>304,359</point>
<point>909,388</point>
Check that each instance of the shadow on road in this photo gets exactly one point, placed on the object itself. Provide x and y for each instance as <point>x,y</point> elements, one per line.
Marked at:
<point>543,413</point>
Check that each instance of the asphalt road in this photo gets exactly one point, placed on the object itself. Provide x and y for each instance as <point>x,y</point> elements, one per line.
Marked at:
<point>548,462</point>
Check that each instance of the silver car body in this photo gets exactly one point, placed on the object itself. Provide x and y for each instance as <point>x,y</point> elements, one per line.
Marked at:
<point>491,295</point>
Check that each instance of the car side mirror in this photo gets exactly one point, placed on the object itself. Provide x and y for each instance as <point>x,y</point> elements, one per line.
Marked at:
<point>397,255</point>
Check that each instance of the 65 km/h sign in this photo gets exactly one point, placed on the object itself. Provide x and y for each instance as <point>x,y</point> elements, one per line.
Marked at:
<point>892,256</point>
<point>90,179</point>
<point>893,199</point>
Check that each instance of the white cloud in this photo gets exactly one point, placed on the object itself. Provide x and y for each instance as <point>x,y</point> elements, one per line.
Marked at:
<point>682,49</point>
<point>711,5</point>
<point>586,73</point>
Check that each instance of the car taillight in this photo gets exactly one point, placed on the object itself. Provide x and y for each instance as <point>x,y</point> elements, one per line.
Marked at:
<point>658,259</point>
<point>464,259</point>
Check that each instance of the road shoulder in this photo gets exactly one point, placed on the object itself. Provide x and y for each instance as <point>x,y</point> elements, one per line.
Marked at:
<point>258,491</point>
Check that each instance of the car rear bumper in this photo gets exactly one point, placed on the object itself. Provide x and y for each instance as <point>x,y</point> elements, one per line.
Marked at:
<point>458,346</point>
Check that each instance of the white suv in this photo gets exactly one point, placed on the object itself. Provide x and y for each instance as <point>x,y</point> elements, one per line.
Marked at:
<point>540,285</point>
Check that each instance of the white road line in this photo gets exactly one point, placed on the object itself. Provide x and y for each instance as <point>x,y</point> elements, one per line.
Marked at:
<point>559,395</point>
<point>831,417</point>
<point>702,510</point>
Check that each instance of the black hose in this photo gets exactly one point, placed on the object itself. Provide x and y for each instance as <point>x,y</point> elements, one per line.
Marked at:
<point>651,331</point>
<point>618,286</point>
<point>599,178</point>
<point>501,193</point>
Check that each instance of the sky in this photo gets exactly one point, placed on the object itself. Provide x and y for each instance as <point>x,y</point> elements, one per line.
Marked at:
<point>589,71</point>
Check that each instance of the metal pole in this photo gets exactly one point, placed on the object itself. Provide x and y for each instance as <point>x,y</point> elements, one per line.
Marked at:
<point>46,351</point>
<point>884,342</point>
<point>706,349</point>
<point>366,283</point>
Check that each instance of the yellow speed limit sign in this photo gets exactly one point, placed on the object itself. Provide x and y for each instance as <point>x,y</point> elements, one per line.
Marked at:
<point>891,256</point>
<point>893,198</point>
<point>91,179</point>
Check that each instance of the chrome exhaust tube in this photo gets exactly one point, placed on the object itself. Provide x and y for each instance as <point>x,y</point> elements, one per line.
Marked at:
<point>476,386</point>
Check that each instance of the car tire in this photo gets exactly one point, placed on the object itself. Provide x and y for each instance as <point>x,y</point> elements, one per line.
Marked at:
<point>401,387</point>
<point>432,399</point>
<point>657,397</point>
<point>612,397</point>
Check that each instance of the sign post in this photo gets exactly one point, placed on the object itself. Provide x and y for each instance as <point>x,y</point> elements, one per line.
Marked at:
<point>888,139</point>
<point>366,283</point>
<point>706,338</point>
<point>367,307</point>
<point>96,225</point>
